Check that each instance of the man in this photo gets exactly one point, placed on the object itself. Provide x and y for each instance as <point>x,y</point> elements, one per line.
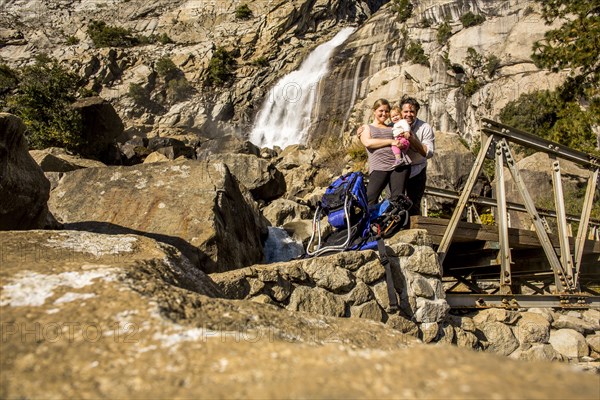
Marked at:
<point>422,146</point>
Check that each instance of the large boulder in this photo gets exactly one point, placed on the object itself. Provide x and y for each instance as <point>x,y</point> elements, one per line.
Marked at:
<point>56,159</point>
<point>198,207</point>
<point>102,129</point>
<point>449,168</point>
<point>260,176</point>
<point>24,189</point>
<point>226,145</point>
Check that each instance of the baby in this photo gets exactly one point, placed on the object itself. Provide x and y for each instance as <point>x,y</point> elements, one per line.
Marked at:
<point>400,127</point>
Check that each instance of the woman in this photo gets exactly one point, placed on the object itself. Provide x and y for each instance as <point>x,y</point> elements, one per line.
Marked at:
<point>378,139</point>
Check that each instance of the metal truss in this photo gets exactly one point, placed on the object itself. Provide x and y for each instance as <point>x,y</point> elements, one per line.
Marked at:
<point>563,288</point>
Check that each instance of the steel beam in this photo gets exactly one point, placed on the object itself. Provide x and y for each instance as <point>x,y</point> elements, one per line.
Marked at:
<point>488,201</point>
<point>537,143</point>
<point>561,220</point>
<point>585,219</point>
<point>516,301</point>
<point>462,201</point>
<point>504,253</point>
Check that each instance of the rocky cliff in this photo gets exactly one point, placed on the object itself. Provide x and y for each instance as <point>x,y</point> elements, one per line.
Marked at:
<point>271,41</point>
<point>377,62</point>
<point>267,43</point>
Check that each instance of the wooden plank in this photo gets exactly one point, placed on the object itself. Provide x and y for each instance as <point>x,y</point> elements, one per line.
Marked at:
<point>467,232</point>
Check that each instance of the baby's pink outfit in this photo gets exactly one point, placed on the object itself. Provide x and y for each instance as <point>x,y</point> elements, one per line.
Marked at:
<point>400,127</point>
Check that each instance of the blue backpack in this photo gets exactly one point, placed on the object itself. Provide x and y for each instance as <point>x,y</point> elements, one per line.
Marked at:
<point>357,226</point>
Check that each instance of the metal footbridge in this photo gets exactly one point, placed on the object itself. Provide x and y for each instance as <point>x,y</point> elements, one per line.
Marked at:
<point>500,266</point>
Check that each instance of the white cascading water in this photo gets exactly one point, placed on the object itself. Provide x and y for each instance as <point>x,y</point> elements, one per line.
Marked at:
<point>279,246</point>
<point>284,117</point>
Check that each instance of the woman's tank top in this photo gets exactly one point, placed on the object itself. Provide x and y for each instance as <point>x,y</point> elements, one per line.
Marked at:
<point>381,159</point>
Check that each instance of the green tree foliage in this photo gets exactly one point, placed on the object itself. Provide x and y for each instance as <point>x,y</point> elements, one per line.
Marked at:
<point>260,62</point>
<point>403,9</point>
<point>243,12</point>
<point>220,67</point>
<point>138,94</point>
<point>43,101</point>
<point>104,35</point>
<point>534,112</point>
<point>178,89</point>
<point>469,19</point>
<point>546,114</point>
<point>471,86</point>
<point>576,44</point>
<point>444,32</point>
<point>163,38</point>
<point>166,68</point>
<point>416,53</point>
<point>474,59</point>
<point>8,79</point>
<point>72,40</point>
<point>492,63</point>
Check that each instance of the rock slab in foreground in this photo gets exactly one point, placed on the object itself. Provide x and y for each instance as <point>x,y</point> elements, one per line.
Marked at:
<point>117,316</point>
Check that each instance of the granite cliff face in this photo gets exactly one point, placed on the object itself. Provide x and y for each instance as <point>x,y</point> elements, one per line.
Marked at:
<point>375,63</point>
<point>273,41</point>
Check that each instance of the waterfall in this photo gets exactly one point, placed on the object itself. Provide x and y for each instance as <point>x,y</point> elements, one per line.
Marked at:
<point>279,246</point>
<point>354,92</point>
<point>284,117</point>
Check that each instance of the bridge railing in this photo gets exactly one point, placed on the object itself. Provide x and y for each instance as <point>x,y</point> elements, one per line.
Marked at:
<point>496,139</point>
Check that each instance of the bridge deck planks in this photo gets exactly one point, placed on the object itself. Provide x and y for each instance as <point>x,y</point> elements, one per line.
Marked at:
<point>470,232</point>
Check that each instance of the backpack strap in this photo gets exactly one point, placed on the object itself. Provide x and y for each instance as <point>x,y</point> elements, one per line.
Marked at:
<point>385,261</point>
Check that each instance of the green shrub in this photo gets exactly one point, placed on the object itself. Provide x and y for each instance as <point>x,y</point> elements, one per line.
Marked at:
<point>471,86</point>
<point>416,54</point>
<point>220,67</point>
<point>474,59</point>
<point>444,32</point>
<point>178,90</point>
<point>85,92</point>
<point>573,45</point>
<point>544,113</point>
<point>489,166</point>
<point>358,155</point>
<point>469,19</point>
<point>574,197</point>
<point>534,112</point>
<point>243,12</point>
<point>138,94</point>
<point>528,10</point>
<point>72,40</point>
<point>403,9</point>
<point>43,101</point>
<point>492,63</point>
<point>109,36</point>
<point>260,62</point>
<point>425,23</point>
<point>166,69</point>
<point>163,38</point>
<point>8,79</point>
